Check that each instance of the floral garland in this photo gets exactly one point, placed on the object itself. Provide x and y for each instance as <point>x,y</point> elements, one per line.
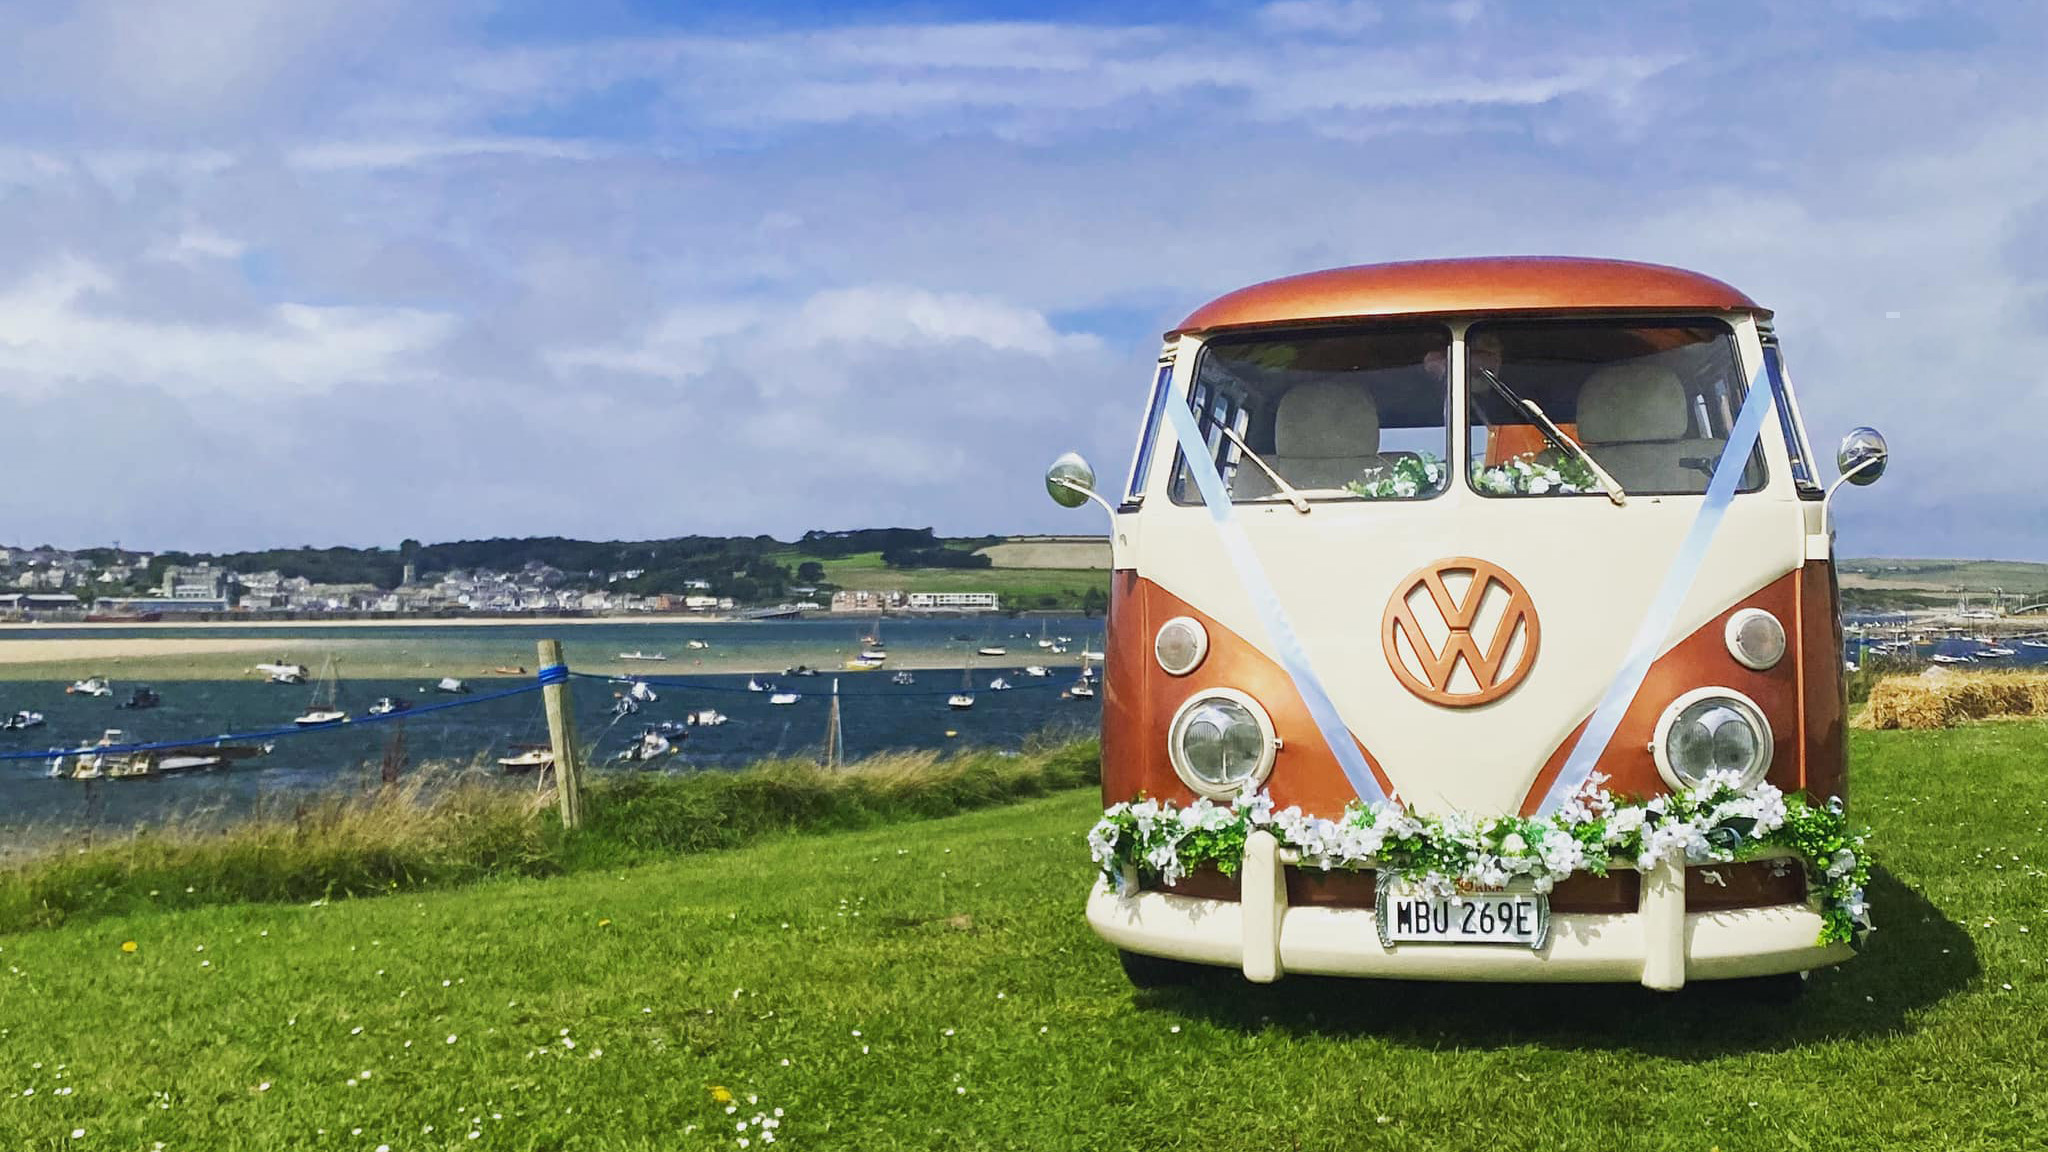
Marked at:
<point>1522,475</point>
<point>1715,822</point>
<point>1410,476</point>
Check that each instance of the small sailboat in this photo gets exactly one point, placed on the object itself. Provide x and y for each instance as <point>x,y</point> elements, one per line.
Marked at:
<point>1944,658</point>
<point>992,650</point>
<point>1043,640</point>
<point>1038,670</point>
<point>1995,652</point>
<point>624,706</point>
<point>1087,669</point>
<point>643,692</point>
<point>699,644</point>
<point>637,654</point>
<point>963,699</point>
<point>452,686</point>
<point>705,718</point>
<point>784,697</point>
<point>21,721</point>
<point>902,678</point>
<point>1079,690</point>
<point>389,706</point>
<point>999,685</point>
<point>652,745</point>
<point>90,686</point>
<point>1090,654</point>
<point>325,707</point>
<point>756,684</point>
<point>283,673</point>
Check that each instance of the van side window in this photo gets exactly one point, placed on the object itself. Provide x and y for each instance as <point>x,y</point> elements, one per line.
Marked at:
<point>1651,401</point>
<point>1803,477</point>
<point>1353,413</point>
<point>1148,434</point>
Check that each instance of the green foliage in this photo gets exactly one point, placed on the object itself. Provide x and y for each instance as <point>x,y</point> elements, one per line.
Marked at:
<point>1422,474</point>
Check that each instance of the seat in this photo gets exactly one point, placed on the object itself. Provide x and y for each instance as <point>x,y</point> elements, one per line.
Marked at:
<point>1325,434</point>
<point>1633,419</point>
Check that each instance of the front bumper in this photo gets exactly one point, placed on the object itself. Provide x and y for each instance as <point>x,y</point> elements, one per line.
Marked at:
<point>1660,945</point>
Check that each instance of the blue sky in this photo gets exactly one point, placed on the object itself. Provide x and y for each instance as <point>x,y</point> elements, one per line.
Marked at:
<point>275,273</point>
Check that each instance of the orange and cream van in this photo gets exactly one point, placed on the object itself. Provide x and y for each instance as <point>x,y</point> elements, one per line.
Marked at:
<point>1476,620</point>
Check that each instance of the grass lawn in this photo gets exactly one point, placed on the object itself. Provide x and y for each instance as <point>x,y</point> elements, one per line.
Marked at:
<point>1019,587</point>
<point>932,985</point>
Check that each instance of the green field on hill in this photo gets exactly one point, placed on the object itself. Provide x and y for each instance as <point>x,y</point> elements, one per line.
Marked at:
<point>1020,588</point>
<point>932,985</point>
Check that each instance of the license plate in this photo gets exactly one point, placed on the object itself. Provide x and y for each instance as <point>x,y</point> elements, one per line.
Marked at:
<point>1408,916</point>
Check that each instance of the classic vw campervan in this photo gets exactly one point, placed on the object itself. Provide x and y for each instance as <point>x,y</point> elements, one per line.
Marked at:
<point>1476,620</point>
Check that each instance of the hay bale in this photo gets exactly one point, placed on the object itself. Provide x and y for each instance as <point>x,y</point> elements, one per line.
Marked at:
<point>1942,698</point>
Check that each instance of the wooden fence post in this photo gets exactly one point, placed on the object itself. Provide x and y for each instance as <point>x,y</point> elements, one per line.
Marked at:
<point>562,734</point>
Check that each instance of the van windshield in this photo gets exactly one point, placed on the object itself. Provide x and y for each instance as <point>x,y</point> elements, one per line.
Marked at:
<point>1346,414</point>
<point>1651,401</point>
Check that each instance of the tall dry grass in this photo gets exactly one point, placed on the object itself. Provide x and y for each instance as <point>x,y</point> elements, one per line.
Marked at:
<point>445,826</point>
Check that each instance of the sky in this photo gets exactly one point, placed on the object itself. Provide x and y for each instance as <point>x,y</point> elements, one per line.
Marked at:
<point>350,271</point>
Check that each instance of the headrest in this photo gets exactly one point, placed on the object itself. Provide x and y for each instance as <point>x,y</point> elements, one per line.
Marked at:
<point>1630,403</point>
<point>1322,419</point>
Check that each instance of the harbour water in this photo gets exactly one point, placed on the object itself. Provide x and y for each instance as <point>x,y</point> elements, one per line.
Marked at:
<point>877,714</point>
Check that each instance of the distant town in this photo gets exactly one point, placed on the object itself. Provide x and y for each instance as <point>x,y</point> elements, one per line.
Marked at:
<point>753,578</point>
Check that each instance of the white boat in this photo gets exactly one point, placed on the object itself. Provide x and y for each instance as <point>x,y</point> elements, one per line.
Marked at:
<point>452,686</point>
<point>624,706</point>
<point>992,650</point>
<point>785,697</point>
<point>282,673</point>
<point>325,707</point>
<point>960,700</point>
<point>103,762</point>
<point>1043,641</point>
<point>639,655</point>
<point>386,706</point>
<point>1038,670</point>
<point>699,644</point>
<point>1090,654</point>
<point>2034,643</point>
<point>531,757</point>
<point>755,684</point>
<point>903,678</point>
<point>999,685</point>
<point>90,686</point>
<point>21,721</point>
<point>705,718</point>
<point>1941,658</point>
<point>643,692</point>
<point>652,745</point>
<point>1087,670</point>
<point>873,656</point>
<point>1994,653</point>
<point>1081,690</point>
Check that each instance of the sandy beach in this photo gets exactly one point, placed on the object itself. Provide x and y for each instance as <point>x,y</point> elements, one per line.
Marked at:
<point>24,650</point>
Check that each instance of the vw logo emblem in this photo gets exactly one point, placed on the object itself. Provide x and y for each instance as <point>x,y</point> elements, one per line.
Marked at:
<point>1432,632</point>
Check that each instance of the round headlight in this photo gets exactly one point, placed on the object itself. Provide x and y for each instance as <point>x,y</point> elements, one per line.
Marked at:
<point>1712,730</point>
<point>1220,741</point>
<point>1180,645</point>
<point>1755,639</point>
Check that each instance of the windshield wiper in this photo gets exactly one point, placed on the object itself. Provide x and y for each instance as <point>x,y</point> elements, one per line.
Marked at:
<point>1557,436</point>
<point>1295,498</point>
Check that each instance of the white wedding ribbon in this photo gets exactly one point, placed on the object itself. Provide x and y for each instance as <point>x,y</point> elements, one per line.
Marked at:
<point>1657,622</point>
<point>1287,649</point>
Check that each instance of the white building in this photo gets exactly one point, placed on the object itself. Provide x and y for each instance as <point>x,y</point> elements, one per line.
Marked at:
<point>201,581</point>
<point>855,600</point>
<point>950,601</point>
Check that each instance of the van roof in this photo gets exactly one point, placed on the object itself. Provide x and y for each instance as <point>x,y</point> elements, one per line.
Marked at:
<point>1482,284</point>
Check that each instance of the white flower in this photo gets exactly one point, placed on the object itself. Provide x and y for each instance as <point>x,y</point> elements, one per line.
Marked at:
<point>1513,845</point>
<point>1539,485</point>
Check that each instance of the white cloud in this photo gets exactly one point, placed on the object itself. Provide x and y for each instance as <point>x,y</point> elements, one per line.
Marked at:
<point>56,329</point>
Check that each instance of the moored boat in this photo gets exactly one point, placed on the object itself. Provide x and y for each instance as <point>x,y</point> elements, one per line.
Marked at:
<point>90,686</point>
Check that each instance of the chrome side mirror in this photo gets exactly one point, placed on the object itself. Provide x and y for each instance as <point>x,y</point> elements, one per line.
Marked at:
<point>1070,481</point>
<point>1861,459</point>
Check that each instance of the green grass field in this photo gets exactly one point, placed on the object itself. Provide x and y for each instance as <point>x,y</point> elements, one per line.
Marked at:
<point>1019,587</point>
<point>932,985</point>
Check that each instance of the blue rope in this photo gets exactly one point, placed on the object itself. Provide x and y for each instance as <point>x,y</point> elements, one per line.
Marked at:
<point>694,686</point>
<point>272,734</point>
<point>554,674</point>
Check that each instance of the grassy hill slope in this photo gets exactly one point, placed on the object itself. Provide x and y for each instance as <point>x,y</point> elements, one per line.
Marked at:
<point>933,986</point>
